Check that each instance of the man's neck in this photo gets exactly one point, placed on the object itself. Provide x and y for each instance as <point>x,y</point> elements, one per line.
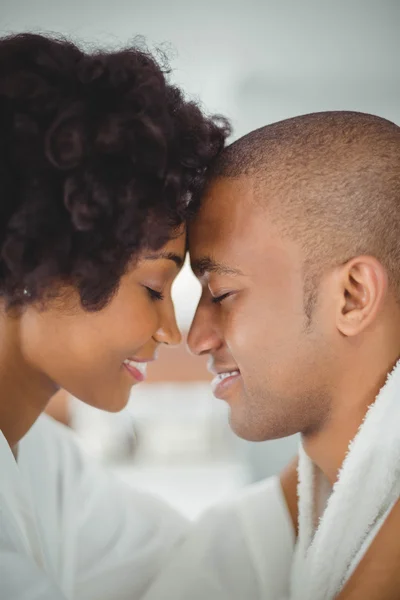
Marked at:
<point>328,447</point>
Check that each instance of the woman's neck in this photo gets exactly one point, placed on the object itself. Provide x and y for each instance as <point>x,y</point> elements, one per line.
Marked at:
<point>24,392</point>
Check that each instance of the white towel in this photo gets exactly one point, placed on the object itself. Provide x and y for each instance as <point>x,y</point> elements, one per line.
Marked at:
<point>367,487</point>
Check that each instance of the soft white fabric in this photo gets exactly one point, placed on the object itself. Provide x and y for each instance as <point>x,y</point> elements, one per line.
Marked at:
<point>238,551</point>
<point>70,531</point>
<point>332,544</point>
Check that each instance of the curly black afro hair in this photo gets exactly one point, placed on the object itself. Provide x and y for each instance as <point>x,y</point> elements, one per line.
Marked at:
<point>100,157</point>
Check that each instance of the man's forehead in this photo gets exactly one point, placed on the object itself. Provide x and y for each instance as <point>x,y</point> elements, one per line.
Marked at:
<point>220,241</point>
<point>234,235</point>
<point>222,230</point>
<point>228,190</point>
<point>226,205</point>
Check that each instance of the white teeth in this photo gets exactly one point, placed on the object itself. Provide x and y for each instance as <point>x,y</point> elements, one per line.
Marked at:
<point>142,367</point>
<point>217,380</point>
<point>222,376</point>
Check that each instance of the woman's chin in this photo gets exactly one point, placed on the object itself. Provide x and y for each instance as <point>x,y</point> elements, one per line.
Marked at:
<point>113,403</point>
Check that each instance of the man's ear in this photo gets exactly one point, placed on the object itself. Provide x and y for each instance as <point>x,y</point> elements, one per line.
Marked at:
<point>363,287</point>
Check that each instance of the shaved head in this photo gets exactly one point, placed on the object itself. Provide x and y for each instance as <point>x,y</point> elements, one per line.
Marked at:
<point>331,181</point>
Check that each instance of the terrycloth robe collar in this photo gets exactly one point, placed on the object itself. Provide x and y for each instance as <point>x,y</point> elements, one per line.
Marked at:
<point>367,487</point>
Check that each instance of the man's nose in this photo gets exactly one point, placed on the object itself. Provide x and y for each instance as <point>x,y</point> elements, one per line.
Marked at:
<point>203,336</point>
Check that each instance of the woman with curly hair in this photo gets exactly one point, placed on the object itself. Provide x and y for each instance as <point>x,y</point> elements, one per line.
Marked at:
<point>101,160</point>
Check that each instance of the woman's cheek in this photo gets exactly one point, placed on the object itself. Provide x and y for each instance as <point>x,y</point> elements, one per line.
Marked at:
<point>146,321</point>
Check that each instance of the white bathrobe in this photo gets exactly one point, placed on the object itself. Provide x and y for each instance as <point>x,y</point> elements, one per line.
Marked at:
<point>70,531</point>
<point>337,526</point>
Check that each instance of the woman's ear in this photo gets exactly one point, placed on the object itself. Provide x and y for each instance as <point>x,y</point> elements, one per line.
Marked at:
<point>364,283</point>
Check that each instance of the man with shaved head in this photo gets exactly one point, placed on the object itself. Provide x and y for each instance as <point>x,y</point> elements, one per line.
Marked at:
<point>296,244</point>
<point>297,247</point>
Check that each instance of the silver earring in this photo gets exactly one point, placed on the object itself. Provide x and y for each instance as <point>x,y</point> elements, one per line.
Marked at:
<point>26,293</point>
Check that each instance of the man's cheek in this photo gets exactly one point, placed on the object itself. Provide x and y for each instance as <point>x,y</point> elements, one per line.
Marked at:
<point>239,337</point>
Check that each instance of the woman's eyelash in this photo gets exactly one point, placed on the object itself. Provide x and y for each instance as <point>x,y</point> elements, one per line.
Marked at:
<point>154,295</point>
<point>218,299</point>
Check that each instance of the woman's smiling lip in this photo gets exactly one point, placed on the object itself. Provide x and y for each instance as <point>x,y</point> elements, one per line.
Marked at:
<point>137,367</point>
<point>142,360</point>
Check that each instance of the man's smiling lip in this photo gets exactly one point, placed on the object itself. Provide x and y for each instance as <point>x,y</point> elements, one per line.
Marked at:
<point>214,369</point>
<point>223,381</point>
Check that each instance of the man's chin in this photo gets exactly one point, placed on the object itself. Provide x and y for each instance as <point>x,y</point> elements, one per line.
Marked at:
<point>255,429</point>
<point>246,430</point>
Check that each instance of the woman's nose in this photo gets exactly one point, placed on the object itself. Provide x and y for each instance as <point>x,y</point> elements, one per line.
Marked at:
<point>169,333</point>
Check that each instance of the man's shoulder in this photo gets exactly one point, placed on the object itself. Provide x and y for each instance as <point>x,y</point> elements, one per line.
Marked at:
<point>260,498</point>
<point>259,514</point>
<point>244,545</point>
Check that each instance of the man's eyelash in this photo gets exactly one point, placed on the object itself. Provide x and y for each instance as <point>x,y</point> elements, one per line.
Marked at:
<point>219,299</point>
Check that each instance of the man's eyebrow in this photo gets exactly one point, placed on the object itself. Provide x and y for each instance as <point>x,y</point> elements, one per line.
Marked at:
<point>176,258</point>
<point>204,265</point>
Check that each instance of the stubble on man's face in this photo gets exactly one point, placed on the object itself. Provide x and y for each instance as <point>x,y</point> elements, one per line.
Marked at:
<point>261,323</point>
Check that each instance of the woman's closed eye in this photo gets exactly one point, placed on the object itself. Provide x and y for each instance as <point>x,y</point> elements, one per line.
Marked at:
<point>154,294</point>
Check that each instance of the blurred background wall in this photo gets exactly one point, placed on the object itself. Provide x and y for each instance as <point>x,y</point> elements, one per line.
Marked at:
<point>255,61</point>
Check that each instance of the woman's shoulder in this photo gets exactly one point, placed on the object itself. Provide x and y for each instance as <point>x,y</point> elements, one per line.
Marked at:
<point>51,452</point>
<point>47,433</point>
<point>52,447</point>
